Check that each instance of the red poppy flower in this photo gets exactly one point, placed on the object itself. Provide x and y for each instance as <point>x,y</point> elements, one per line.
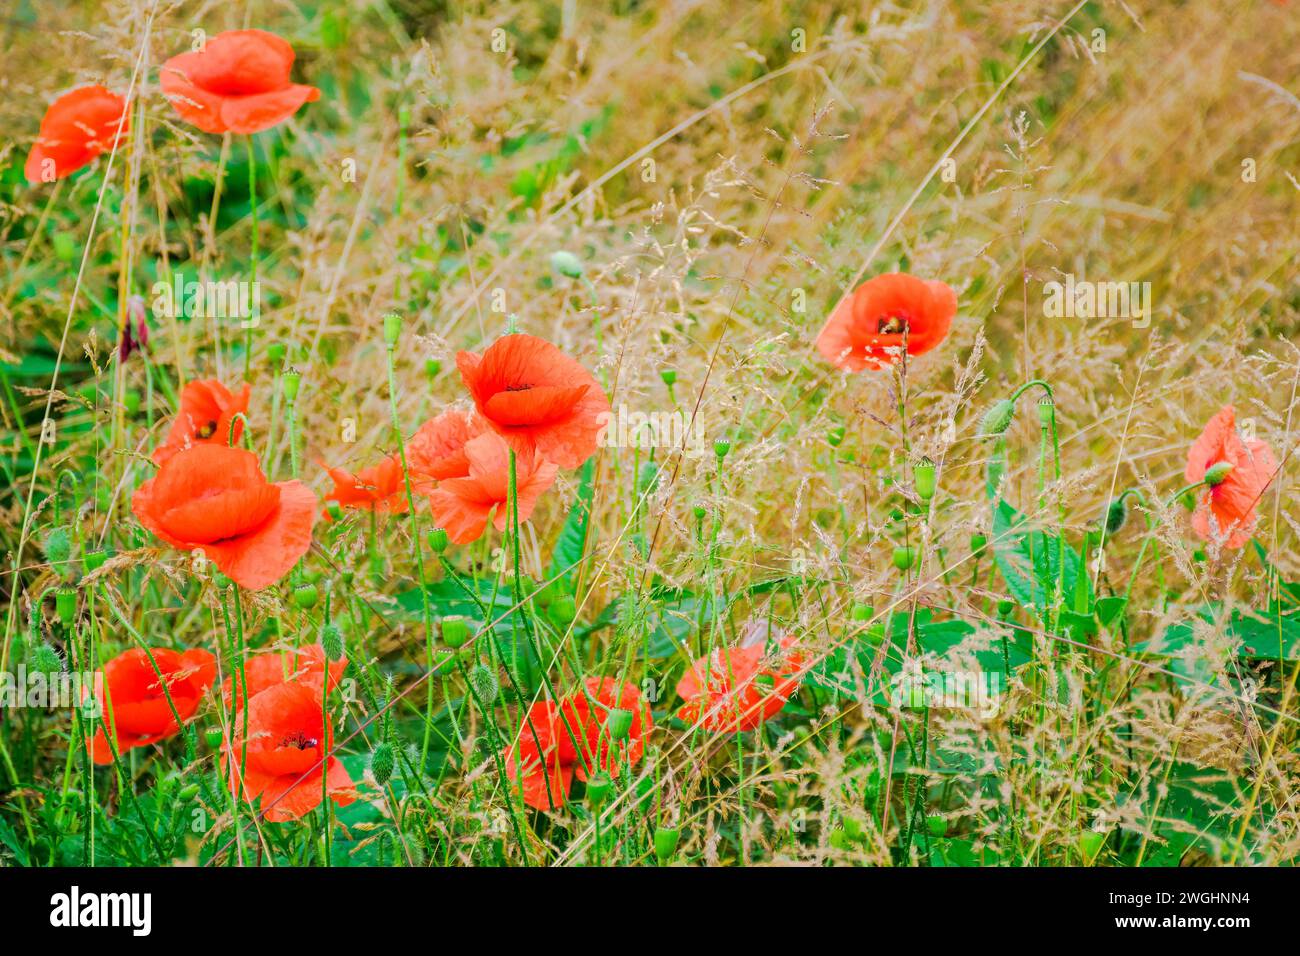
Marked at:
<point>133,697</point>
<point>287,748</point>
<point>215,498</point>
<point>207,409</point>
<point>438,448</point>
<point>574,740</point>
<point>737,689</point>
<point>1228,510</point>
<point>462,506</point>
<point>537,398</point>
<point>76,129</point>
<point>380,487</point>
<point>870,328</point>
<point>239,82</point>
<point>298,665</point>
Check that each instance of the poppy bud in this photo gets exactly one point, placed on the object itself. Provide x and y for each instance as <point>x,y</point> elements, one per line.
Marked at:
<point>619,723</point>
<point>213,737</point>
<point>392,328</point>
<point>598,787</point>
<point>1116,515</point>
<point>275,353</point>
<point>836,435</point>
<point>566,264</point>
<point>923,475</point>
<point>861,612</point>
<point>720,448</point>
<point>331,641</point>
<point>904,557</point>
<point>46,660</point>
<point>188,792</point>
<point>65,605</point>
<point>977,543</point>
<point>437,539</point>
<point>381,763</point>
<point>305,596</point>
<point>347,575</point>
<point>485,683</point>
<point>562,611</point>
<point>998,418</point>
<point>669,376</point>
<point>1006,607</point>
<point>432,367</point>
<point>666,843</point>
<point>444,662</point>
<point>699,511</point>
<point>455,631</point>
<point>1217,473</point>
<point>58,548</point>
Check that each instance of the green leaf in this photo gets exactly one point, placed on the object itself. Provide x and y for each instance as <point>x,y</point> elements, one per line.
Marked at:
<point>571,545</point>
<point>1269,635</point>
<point>1030,562</point>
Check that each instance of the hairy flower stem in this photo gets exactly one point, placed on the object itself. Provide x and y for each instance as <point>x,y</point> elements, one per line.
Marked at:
<point>253,253</point>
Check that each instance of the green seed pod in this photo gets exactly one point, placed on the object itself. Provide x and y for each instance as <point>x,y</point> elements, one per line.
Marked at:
<point>392,328</point>
<point>566,264</point>
<point>94,560</point>
<point>444,662</point>
<point>432,367</point>
<point>275,353</point>
<point>562,611</point>
<point>699,511</point>
<point>861,612</point>
<point>666,839</point>
<point>1116,515</point>
<point>485,683</point>
<point>1046,411</point>
<point>331,641</point>
<point>669,376</point>
<point>382,762</point>
<point>977,543</point>
<point>455,631</point>
<point>290,382</point>
<point>65,605</point>
<point>305,596</point>
<point>213,737</point>
<point>347,575</point>
<point>619,724</point>
<point>924,476</point>
<point>46,660</point>
<point>836,435</point>
<point>334,510</point>
<point>998,418</point>
<point>721,447</point>
<point>437,539</point>
<point>1006,607</point>
<point>904,557</point>
<point>598,788</point>
<point>188,792</point>
<point>1217,472</point>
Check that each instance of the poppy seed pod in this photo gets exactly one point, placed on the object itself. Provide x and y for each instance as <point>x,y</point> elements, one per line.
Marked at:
<point>566,264</point>
<point>924,477</point>
<point>275,353</point>
<point>1217,473</point>
<point>669,376</point>
<point>598,788</point>
<point>382,762</point>
<point>290,383</point>
<point>213,737</point>
<point>65,605</point>
<point>392,328</point>
<point>998,418</point>
<point>305,596</point>
<point>619,723</point>
<point>666,839</point>
<point>1046,411</point>
<point>721,448</point>
<point>904,557</point>
<point>455,631</point>
<point>437,539</point>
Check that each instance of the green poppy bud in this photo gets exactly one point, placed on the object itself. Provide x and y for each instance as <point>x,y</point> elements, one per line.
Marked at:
<point>998,418</point>
<point>275,353</point>
<point>305,596</point>
<point>923,475</point>
<point>432,367</point>
<point>977,543</point>
<point>382,762</point>
<point>669,376</point>
<point>566,264</point>
<point>46,660</point>
<point>331,641</point>
<point>213,737</point>
<point>65,605</point>
<point>1217,473</point>
<point>1116,515</point>
<point>904,557</point>
<point>455,631</point>
<point>437,539</point>
<point>699,511</point>
<point>58,548</point>
<point>485,683</point>
<point>1005,608</point>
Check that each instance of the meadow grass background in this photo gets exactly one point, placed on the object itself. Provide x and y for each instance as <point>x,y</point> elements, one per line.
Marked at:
<point>778,179</point>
